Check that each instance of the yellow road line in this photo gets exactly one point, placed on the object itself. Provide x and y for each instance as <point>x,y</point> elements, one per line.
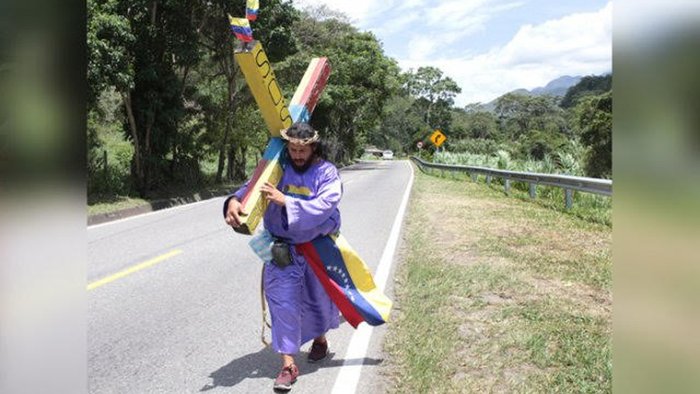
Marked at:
<point>133,269</point>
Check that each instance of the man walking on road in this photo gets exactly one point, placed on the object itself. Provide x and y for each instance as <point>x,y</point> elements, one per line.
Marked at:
<point>303,207</point>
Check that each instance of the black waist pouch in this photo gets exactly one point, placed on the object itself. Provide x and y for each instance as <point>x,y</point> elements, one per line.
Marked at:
<point>281,256</point>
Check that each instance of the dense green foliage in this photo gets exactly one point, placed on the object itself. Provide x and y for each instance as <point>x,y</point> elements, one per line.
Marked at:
<point>537,129</point>
<point>167,104</point>
<point>591,85</point>
<point>595,121</point>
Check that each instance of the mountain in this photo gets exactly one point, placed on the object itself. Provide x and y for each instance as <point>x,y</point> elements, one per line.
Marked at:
<point>521,91</point>
<point>557,87</point>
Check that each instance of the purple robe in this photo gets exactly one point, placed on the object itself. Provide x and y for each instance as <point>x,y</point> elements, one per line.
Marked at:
<point>299,306</point>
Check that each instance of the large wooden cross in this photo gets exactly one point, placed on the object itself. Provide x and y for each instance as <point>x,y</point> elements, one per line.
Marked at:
<point>268,95</point>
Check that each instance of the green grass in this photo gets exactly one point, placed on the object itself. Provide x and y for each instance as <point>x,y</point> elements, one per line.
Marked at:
<point>117,198</point>
<point>115,203</point>
<point>587,206</point>
<point>111,203</point>
<point>574,346</point>
<point>497,294</point>
<point>423,312</point>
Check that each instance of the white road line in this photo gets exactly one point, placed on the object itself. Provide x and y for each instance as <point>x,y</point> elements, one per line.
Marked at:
<point>349,374</point>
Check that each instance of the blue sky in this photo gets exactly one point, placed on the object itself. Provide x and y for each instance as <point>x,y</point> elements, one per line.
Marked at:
<point>489,47</point>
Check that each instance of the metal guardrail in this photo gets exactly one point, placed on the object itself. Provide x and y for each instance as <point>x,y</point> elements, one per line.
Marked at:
<point>566,182</point>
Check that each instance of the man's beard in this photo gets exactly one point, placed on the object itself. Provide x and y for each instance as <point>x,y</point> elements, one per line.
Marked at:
<point>302,169</point>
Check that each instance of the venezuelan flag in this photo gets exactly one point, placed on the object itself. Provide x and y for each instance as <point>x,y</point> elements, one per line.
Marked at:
<point>241,28</point>
<point>347,280</point>
<point>251,9</point>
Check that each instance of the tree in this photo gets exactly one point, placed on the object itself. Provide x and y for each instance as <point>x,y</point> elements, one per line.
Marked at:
<point>518,114</point>
<point>511,110</point>
<point>362,80</point>
<point>595,120</point>
<point>537,144</point>
<point>434,92</point>
<point>275,35</point>
<point>478,124</point>
<point>401,125</point>
<point>144,49</point>
<point>165,43</point>
<point>109,38</point>
<point>184,99</point>
<point>110,64</point>
<point>588,86</point>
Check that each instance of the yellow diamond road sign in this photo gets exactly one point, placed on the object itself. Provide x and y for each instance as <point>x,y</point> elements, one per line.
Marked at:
<point>437,138</point>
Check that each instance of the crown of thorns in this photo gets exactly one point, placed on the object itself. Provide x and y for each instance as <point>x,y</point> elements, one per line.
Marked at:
<point>300,141</point>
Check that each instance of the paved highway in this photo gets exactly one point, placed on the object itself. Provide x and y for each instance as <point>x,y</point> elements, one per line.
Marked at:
<point>174,297</point>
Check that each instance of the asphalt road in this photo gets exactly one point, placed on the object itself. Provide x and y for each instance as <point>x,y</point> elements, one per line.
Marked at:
<point>187,318</point>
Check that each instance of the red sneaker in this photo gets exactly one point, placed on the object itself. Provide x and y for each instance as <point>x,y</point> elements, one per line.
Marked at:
<point>288,375</point>
<point>318,352</point>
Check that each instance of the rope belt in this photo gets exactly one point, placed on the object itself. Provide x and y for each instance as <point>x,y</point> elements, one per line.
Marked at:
<point>265,322</point>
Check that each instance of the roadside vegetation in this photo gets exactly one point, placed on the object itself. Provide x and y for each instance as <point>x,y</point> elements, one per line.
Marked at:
<point>499,294</point>
<point>587,206</point>
<point>169,113</point>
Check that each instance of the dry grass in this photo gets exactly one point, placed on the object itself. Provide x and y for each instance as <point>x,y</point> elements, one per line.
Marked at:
<point>499,295</point>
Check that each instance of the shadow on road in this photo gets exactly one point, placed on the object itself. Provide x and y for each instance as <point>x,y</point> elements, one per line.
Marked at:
<point>266,364</point>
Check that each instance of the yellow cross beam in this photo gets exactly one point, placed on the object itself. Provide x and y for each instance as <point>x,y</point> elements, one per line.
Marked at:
<point>261,79</point>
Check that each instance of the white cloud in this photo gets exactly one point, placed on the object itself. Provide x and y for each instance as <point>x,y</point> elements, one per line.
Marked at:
<point>575,35</point>
<point>578,44</point>
<point>396,25</point>
<point>453,11</point>
<point>409,4</point>
<point>450,22</point>
<point>422,48</point>
<point>460,14</point>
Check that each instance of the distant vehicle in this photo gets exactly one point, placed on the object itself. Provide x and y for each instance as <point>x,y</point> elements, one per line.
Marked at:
<point>387,155</point>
